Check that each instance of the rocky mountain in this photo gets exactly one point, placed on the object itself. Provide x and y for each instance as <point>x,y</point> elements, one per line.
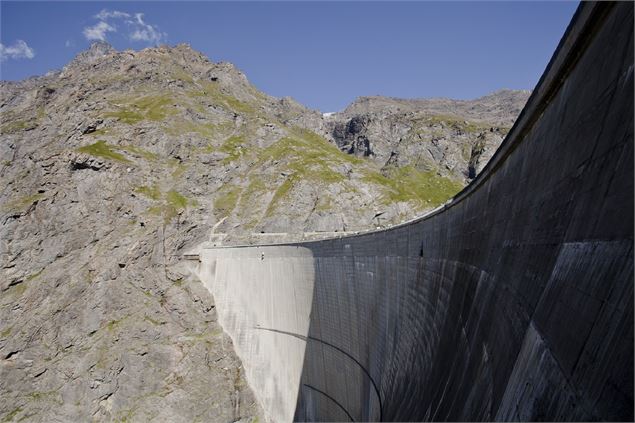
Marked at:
<point>116,165</point>
<point>451,138</point>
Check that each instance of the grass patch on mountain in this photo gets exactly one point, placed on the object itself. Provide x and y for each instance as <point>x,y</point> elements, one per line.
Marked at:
<point>320,145</point>
<point>164,211</point>
<point>407,184</point>
<point>243,201</point>
<point>112,152</point>
<point>13,121</point>
<point>256,188</point>
<point>305,156</point>
<point>103,150</point>
<point>457,123</point>
<point>21,203</point>
<point>17,126</point>
<point>178,168</point>
<point>171,203</point>
<point>226,200</point>
<point>310,151</point>
<point>281,193</point>
<point>309,155</point>
<point>153,192</point>
<point>182,126</point>
<point>138,151</point>
<point>176,200</point>
<point>46,396</point>
<point>233,147</point>
<point>134,110</point>
<point>126,115</point>
<point>182,75</point>
<point>211,92</point>
<point>238,105</point>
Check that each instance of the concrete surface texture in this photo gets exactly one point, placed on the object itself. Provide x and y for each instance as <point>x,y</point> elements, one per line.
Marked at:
<point>513,302</point>
<point>260,293</point>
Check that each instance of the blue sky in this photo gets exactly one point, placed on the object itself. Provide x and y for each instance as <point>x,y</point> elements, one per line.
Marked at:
<point>322,54</point>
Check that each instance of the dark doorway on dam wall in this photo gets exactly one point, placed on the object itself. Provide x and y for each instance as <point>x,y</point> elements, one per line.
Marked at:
<point>515,302</point>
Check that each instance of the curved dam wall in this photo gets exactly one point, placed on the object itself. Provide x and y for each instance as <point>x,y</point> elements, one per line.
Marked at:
<point>512,302</point>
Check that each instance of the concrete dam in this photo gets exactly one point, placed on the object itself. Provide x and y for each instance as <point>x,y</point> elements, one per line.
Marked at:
<point>513,301</point>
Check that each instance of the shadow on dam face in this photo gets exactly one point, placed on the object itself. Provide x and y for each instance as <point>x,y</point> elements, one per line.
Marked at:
<point>513,302</point>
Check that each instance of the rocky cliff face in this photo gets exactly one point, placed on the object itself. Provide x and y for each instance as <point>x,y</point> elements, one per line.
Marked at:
<point>117,164</point>
<point>451,138</point>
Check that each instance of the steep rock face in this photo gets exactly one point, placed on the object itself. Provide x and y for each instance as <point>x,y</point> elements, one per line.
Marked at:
<point>350,136</point>
<point>116,165</point>
<point>449,137</point>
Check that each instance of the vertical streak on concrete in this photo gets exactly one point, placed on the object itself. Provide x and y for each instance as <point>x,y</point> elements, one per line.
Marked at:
<point>514,302</point>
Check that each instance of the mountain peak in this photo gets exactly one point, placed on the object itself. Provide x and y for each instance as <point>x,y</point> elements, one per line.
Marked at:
<point>96,50</point>
<point>101,47</point>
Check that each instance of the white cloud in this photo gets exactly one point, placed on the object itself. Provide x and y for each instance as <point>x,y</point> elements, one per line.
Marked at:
<point>98,31</point>
<point>137,28</point>
<point>69,43</point>
<point>144,32</point>
<point>107,14</point>
<point>19,50</point>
